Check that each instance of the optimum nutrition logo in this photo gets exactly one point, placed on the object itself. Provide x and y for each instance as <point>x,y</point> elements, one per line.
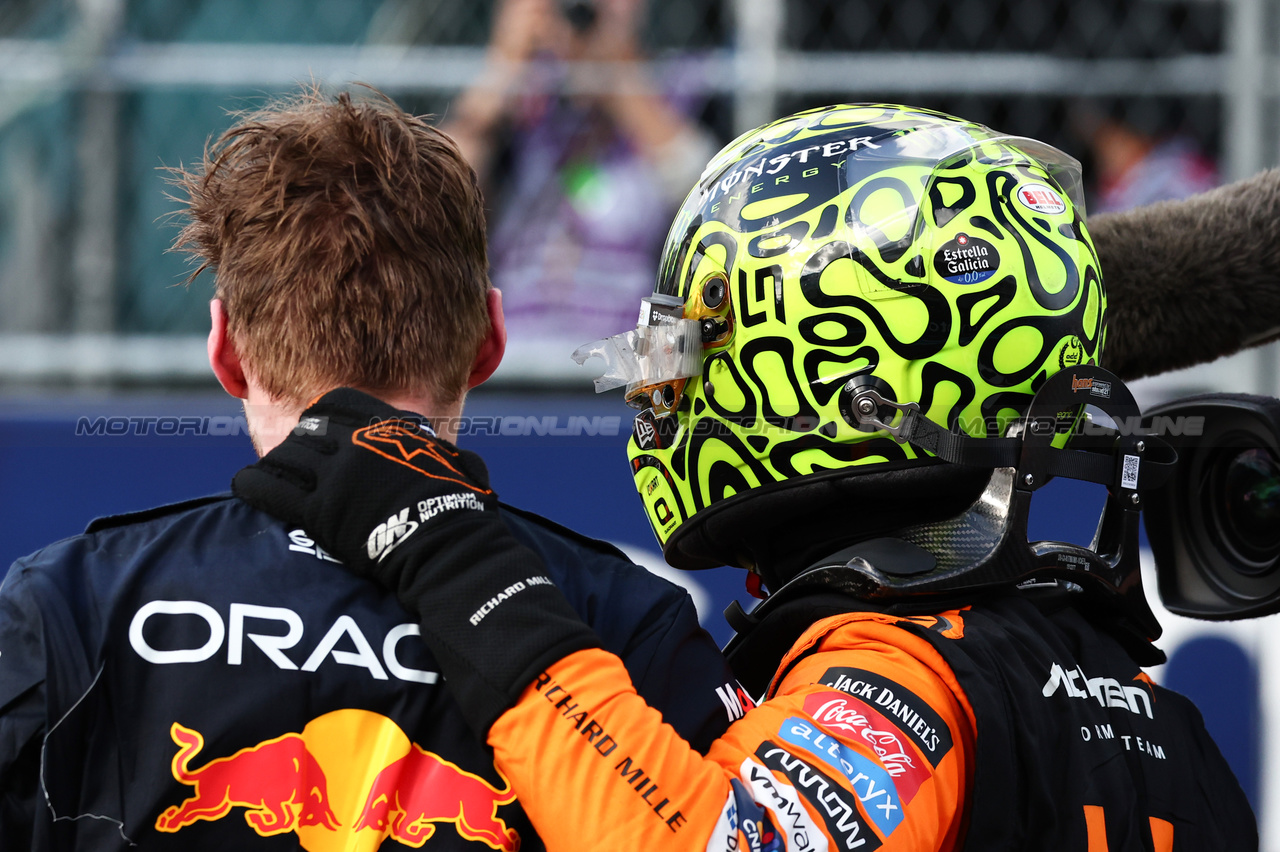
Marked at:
<point>387,536</point>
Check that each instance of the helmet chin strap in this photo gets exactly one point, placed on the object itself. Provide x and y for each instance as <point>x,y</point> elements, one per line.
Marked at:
<point>986,547</point>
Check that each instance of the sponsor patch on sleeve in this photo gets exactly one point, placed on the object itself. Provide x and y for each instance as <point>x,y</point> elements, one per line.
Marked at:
<point>844,716</point>
<point>836,806</point>
<point>788,817</point>
<point>908,712</point>
<point>742,816</point>
<point>870,781</point>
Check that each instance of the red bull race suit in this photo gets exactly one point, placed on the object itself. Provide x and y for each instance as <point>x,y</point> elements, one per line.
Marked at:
<point>202,676</point>
<point>1009,724</point>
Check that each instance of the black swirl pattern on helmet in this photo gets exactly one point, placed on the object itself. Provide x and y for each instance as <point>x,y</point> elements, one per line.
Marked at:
<point>826,222</point>
<point>891,251</point>
<point>785,350</point>
<point>842,454</point>
<point>943,213</point>
<point>855,331</point>
<point>723,475</point>
<point>915,267</point>
<point>750,408</point>
<point>934,374</point>
<point>985,224</point>
<point>678,285</point>
<point>823,389</point>
<point>1051,328</point>
<point>931,340</point>
<point>1002,185</point>
<point>1092,290</point>
<point>795,233</point>
<point>722,480</point>
<point>1003,290</point>
<point>679,452</point>
<point>997,402</point>
<point>1074,230</point>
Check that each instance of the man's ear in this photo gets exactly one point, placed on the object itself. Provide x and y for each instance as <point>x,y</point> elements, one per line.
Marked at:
<point>223,357</point>
<point>494,344</point>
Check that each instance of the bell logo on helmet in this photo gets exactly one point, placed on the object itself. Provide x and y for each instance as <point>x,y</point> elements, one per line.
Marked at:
<point>1042,199</point>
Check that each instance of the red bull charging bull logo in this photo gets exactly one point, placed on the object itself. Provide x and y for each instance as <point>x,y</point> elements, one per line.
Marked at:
<point>278,781</point>
<point>379,785</point>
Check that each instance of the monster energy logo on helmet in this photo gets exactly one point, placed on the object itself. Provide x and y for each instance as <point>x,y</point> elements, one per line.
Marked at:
<point>850,247</point>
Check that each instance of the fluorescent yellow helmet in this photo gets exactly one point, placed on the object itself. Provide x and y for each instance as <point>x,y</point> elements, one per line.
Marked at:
<point>862,246</point>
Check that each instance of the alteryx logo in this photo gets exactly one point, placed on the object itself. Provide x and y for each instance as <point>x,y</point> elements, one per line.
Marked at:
<point>872,785</point>
<point>386,537</point>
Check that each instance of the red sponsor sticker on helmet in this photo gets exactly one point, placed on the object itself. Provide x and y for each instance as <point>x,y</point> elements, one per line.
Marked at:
<point>1042,199</point>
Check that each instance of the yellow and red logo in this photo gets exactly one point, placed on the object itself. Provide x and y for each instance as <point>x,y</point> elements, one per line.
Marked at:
<point>379,784</point>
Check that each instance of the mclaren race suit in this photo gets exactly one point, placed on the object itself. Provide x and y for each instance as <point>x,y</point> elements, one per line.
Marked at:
<point>1012,724</point>
<point>203,677</point>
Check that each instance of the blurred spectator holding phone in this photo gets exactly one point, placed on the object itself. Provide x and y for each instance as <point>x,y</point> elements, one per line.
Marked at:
<point>585,157</point>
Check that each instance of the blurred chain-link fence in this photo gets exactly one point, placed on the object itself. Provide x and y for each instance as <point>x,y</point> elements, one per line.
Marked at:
<point>97,95</point>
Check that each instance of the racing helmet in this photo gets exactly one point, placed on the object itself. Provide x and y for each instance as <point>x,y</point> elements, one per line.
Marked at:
<point>856,247</point>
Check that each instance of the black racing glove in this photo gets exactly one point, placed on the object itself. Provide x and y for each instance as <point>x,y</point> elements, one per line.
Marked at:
<point>376,488</point>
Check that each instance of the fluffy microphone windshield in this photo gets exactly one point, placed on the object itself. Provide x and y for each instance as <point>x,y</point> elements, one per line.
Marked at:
<point>1190,281</point>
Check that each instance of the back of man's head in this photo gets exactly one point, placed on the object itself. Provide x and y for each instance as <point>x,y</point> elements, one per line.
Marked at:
<point>348,242</point>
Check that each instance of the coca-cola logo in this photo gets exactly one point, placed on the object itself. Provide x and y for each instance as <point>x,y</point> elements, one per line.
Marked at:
<point>837,714</point>
<point>852,719</point>
<point>840,713</point>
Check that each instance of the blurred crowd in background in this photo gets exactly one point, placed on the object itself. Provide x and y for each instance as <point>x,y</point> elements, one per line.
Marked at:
<point>587,121</point>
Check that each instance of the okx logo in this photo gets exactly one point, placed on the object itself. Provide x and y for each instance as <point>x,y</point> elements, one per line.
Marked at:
<point>349,780</point>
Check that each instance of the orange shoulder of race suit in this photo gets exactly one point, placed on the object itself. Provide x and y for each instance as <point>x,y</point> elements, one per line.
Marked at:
<point>865,743</point>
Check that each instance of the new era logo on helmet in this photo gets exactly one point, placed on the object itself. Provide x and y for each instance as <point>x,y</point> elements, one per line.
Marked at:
<point>406,443</point>
<point>385,537</point>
